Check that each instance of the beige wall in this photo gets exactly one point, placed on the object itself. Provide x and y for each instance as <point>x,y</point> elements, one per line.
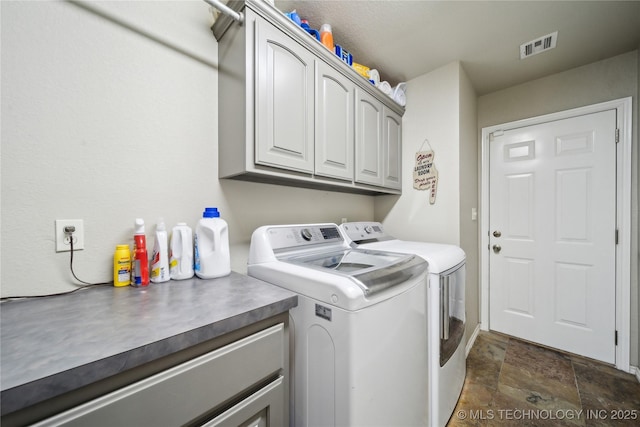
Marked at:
<point>441,107</point>
<point>111,114</point>
<point>601,81</point>
<point>432,112</point>
<point>469,226</point>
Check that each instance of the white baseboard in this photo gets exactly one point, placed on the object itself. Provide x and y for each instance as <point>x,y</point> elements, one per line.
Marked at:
<point>635,371</point>
<point>472,340</point>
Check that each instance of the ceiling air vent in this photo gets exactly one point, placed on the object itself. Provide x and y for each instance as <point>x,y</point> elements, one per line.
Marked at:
<point>539,45</point>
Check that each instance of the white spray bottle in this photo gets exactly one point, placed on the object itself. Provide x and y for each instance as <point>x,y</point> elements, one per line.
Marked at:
<point>160,256</point>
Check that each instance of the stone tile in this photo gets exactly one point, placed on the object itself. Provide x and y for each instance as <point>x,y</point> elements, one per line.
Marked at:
<point>608,396</point>
<point>514,383</point>
<point>537,390</point>
<point>485,359</point>
<point>509,411</point>
<point>540,361</point>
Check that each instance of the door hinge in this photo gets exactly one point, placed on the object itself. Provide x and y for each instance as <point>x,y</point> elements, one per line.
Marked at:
<point>617,135</point>
<point>616,337</point>
<point>617,234</point>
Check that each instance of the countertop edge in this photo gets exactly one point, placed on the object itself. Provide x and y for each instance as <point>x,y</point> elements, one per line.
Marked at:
<point>52,386</point>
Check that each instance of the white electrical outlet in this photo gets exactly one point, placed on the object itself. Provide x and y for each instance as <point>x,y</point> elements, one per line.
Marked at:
<point>62,239</point>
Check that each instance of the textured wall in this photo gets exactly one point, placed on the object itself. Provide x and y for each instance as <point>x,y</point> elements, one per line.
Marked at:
<point>109,112</point>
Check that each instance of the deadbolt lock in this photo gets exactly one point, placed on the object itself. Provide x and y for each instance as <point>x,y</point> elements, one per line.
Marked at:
<point>497,233</point>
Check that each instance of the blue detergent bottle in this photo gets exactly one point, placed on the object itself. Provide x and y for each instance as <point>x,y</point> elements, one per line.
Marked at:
<point>305,24</point>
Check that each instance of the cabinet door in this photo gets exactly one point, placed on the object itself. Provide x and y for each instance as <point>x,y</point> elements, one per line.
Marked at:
<point>284,101</point>
<point>392,143</point>
<point>334,143</point>
<point>368,139</point>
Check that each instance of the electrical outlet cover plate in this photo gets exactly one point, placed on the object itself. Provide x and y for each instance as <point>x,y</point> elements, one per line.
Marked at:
<point>62,240</point>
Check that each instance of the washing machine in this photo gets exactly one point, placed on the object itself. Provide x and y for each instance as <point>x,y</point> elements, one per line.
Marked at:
<point>359,331</point>
<point>446,311</point>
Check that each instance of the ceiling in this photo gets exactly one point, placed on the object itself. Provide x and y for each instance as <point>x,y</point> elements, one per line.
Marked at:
<point>404,39</point>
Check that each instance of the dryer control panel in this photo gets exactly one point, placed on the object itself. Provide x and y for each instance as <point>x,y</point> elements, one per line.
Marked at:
<point>364,231</point>
<point>282,237</point>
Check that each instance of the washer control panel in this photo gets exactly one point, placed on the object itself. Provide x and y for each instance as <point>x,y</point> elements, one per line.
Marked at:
<point>281,237</point>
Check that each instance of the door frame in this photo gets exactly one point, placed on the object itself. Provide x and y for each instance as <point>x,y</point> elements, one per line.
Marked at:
<point>623,214</point>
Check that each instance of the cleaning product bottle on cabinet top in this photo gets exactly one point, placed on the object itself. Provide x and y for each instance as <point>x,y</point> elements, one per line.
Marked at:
<point>212,258</point>
<point>305,25</point>
<point>140,256</point>
<point>160,254</point>
<point>181,252</point>
<point>326,36</point>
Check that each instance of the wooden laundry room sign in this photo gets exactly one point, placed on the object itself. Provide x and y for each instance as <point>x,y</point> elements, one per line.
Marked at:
<point>425,174</point>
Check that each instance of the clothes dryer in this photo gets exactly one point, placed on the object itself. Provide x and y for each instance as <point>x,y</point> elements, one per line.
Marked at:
<point>445,313</point>
<point>359,331</point>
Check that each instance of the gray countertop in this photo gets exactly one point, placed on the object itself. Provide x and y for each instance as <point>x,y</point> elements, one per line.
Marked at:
<point>52,345</point>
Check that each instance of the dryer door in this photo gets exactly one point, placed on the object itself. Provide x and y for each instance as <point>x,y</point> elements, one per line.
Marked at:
<point>452,311</point>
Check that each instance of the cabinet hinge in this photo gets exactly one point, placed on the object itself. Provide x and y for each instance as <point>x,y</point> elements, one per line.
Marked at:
<point>617,234</point>
<point>616,337</point>
<point>617,135</point>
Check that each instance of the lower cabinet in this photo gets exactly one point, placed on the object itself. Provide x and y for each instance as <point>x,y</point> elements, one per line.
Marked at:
<point>242,383</point>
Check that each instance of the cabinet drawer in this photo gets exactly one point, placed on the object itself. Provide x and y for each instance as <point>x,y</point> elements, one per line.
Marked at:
<point>264,408</point>
<point>184,392</point>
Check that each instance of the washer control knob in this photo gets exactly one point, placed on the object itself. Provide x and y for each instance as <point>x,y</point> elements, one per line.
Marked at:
<point>306,234</point>
<point>334,298</point>
<point>368,229</point>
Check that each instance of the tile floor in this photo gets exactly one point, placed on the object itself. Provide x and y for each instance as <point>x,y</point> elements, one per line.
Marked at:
<point>514,383</point>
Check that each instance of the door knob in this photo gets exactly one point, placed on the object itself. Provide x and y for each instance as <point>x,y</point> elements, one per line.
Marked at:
<point>497,248</point>
<point>497,233</point>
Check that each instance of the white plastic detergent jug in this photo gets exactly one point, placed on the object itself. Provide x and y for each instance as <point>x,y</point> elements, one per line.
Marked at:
<point>212,257</point>
<point>181,252</point>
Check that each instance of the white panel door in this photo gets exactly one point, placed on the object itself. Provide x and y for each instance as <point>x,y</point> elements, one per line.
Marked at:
<point>552,234</point>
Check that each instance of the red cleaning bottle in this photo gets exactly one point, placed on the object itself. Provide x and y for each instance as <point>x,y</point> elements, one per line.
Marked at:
<point>140,256</point>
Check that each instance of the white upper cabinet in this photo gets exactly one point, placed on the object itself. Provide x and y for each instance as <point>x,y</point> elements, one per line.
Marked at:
<point>392,146</point>
<point>291,112</point>
<point>368,139</point>
<point>284,101</point>
<point>334,142</point>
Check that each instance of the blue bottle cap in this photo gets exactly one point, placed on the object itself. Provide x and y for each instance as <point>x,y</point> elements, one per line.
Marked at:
<point>211,213</point>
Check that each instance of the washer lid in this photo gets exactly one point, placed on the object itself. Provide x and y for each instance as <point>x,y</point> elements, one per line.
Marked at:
<point>372,271</point>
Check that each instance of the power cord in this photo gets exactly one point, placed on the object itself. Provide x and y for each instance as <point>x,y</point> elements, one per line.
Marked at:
<point>68,230</point>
